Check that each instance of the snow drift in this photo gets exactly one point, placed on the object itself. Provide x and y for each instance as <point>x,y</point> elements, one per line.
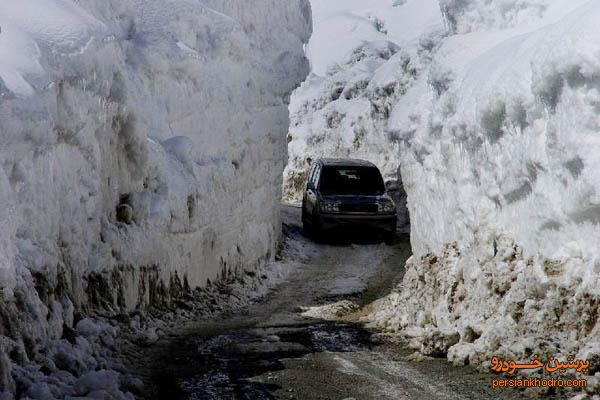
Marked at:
<point>491,111</point>
<point>498,154</point>
<point>142,149</point>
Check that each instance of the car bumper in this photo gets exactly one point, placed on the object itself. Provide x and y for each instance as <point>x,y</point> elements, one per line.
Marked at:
<point>382,222</point>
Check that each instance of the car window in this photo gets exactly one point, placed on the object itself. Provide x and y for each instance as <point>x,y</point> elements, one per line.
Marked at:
<point>351,180</point>
<point>311,176</point>
<point>317,175</point>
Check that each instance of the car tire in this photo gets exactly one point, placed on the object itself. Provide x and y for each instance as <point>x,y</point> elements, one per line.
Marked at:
<point>306,225</point>
<point>306,228</point>
<point>389,237</point>
<point>316,230</point>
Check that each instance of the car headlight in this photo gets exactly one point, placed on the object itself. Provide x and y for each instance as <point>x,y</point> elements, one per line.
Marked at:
<point>330,206</point>
<point>386,206</point>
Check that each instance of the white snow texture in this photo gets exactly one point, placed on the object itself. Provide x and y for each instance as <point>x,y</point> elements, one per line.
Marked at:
<point>499,156</point>
<point>142,145</point>
<point>493,119</point>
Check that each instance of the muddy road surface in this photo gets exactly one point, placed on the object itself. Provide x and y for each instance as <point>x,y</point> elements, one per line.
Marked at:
<point>292,345</point>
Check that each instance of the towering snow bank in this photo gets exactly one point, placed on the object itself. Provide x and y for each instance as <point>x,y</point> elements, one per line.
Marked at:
<point>499,153</point>
<point>508,127</point>
<point>142,150</point>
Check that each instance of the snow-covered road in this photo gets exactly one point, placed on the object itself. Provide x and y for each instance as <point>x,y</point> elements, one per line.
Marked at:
<point>304,341</point>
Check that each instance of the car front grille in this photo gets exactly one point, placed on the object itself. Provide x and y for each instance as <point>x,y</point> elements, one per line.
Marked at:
<point>358,208</point>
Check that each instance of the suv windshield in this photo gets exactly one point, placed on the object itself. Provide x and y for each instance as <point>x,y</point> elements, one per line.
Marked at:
<point>351,180</point>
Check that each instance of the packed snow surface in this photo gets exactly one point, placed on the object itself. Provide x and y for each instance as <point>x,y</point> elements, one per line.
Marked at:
<point>142,145</point>
<point>490,109</point>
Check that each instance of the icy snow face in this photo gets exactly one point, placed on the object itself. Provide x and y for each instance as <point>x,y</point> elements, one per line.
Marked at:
<point>142,148</point>
<point>495,301</point>
<point>506,126</point>
<point>498,157</point>
<point>175,112</point>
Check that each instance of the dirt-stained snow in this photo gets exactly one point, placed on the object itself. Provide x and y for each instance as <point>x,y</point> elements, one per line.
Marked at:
<point>142,148</point>
<point>491,115</point>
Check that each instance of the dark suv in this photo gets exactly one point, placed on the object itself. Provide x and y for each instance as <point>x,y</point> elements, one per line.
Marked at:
<point>347,193</point>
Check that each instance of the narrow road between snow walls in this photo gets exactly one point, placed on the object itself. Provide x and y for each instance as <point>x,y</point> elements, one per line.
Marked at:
<point>304,339</point>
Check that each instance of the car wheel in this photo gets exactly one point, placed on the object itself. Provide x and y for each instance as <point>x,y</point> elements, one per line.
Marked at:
<point>316,229</point>
<point>389,237</point>
<point>306,227</point>
<point>305,224</point>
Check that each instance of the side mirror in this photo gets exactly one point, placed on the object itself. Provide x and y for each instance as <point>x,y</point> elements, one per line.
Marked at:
<point>391,185</point>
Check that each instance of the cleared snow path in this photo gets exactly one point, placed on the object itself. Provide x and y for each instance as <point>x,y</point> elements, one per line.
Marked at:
<point>304,341</point>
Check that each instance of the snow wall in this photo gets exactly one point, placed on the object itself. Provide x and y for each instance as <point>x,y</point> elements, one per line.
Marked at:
<point>142,146</point>
<point>498,148</point>
<point>490,108</point>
